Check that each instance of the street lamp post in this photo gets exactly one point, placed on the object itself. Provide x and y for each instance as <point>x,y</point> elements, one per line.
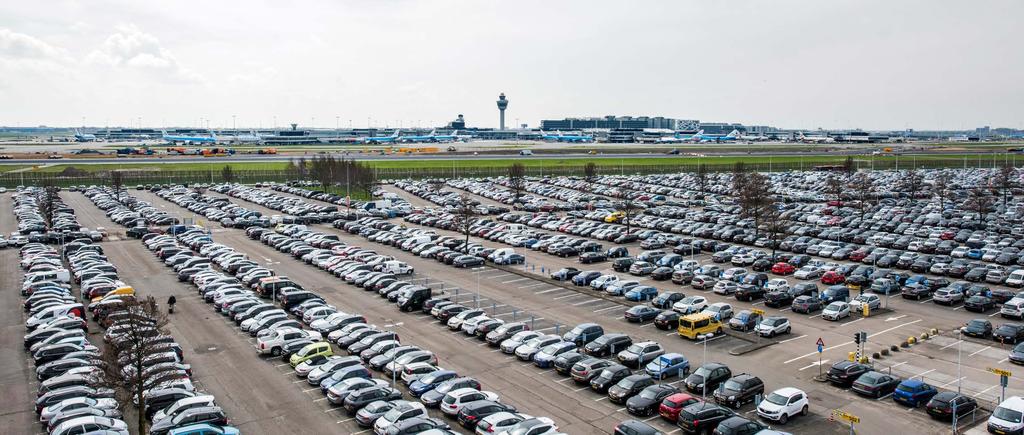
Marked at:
<point>703,360</point>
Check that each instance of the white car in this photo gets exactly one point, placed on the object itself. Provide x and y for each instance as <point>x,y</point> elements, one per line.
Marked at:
<point>402,412</point>
<point>720,310</point>
<point>499,422</point>
<point>690,305</point>
<point>73,404</point>
<point>776,284</point>
<point>273,342</point>
<point>724,287</point>
<point>533,426</point>
<point>783,404</point>
<point>836,311</point>
<point>808,272</point>
<point>453,402</point>
<point>183,404</point>
<point>772,326</point>
<point>603,281</point>
<point>872,300</point>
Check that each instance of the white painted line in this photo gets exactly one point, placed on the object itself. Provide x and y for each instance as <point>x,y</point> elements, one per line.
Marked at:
<point>987,390</point>
<point>608,308</point>
<point>1004,360</point>
<point>783,309</point>
<point>515,280</point>
<point>897,365</point>
<point>589,301</point>
<point>925,301</point>
<point>566,296</point>
<point>320,399</point>
<point>545,329</point>
<point>581,389</point>
<point>532,285</point>
<point>951,345</point>
<point>994,314</point>
<point>549,290</point>
<point>791,339</point>
<point>921,375</point>
<point>980,350</point>
<point>884,397</point>
<point>851,342</point>
<point>814,364</point>
<point>600,398</point>
<point>951,382</point>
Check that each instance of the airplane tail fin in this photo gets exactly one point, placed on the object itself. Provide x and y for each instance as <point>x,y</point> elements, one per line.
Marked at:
<point>733,133</point>
<point>396,133</point>
<point>455,133</point>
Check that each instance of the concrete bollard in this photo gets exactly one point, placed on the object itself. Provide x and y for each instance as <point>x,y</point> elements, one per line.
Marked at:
<point>876,355</point>
<point>885,352</point>
<point>911,340</point>
<point>894,348</point>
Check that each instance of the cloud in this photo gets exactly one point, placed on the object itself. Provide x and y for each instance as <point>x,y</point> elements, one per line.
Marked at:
<point>14,45</point>
<point>130,47</point>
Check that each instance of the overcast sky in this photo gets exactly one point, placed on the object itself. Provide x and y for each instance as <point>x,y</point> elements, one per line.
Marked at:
<point>873,64</point>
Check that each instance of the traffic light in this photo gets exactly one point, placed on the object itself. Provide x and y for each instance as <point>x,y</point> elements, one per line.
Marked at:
<point>856,337</point>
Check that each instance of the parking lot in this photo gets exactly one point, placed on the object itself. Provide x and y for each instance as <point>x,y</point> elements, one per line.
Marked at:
<point>920,338</point>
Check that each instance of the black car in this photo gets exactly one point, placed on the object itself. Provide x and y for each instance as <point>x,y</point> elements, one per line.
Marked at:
<point>635,427</point>
<point>749,292</point>
<point>607,345</point>
<point>702,417</point>
<point>565,273</point>
<point>979,304</point>
<point>622,264</point>
<point>979,328</point>
<point>646,403</point>
<point>608,377</point>
<point>806,304</point>
<point>667,320</point>
<point>661,273</point>
<point>707,377</point>
<point>778,298</point>
<point>472,412</point>
<point>941,406</point>
<point>875,384</point>
<point>844,373</point>
<point>565,362</point>
<point>737,425</point>
<point>738,390</point>
<point>1008,333</point>
<point>592,257</point>
<point>665,300</point>
<point>628,387</point>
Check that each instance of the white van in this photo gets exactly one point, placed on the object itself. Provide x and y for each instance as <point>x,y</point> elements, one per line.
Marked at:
<point>501,252</point>
<point>525,153</point>
<point>1008,417</point>
<point>1016,278</point>
<point>50,313</point>
<point>61,275</point>
<point>396,267</point>
<point>516,229</point>
<point>1013,308</point>
<point>412,242</point>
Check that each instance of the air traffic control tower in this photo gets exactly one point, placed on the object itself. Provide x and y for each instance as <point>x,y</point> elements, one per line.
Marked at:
<point>502,105</point>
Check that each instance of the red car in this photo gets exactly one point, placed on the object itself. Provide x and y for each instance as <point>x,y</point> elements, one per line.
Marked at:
<point>858,255</point>
<point>832,278</point>
<point>670,407</point>
<point>783,268</point>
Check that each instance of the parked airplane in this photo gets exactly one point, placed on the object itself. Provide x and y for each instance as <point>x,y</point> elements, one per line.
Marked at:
<point>758,138</point>
<point>382,139</point>
<point>181,139</point>
<point>566,137</point>
<point>679,138</point>
<point>816,139</point>
<point>712,138</point>
<point>430,137</point>
<point>84,137</point>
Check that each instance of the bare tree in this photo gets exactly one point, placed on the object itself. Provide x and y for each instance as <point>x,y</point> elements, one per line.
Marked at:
<point>125,356</point>
<point>701,177</point>
<point>941,188</point>
<point>227,174</point>
<point>464,213</point>
<point>629,208</point>
<point>739,177</point>
<point>117,183</point>
<point>911,184</point>
<point>834,186</point>
<point>849,168</point>
<point>302,168</point>
<point>775,227</point>
<point>755,199</point>
<point>517,180</point>
<point>48,202</point>
<point>590,172</point>
<point>979,200</point>
<point>862,187</point>
<point>291,170</point>
<point>1005,181</point>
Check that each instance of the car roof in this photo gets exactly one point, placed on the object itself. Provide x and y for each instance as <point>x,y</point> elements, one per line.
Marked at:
<point>788,391</point>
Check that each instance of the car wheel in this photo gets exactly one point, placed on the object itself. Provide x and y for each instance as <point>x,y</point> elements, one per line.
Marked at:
<point>276,351</point>
<point>788,329</point>
<point>803,411</point>
<point>783,418</point>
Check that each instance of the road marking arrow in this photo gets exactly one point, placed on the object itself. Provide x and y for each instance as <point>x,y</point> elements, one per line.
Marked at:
<point>889,319</point>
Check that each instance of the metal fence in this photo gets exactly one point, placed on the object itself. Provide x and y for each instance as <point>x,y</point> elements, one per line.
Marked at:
<point>167,174</point>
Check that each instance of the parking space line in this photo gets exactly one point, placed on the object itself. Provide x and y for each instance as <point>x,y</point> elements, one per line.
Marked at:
<point>566,296</point>
<point>532,285</point>
<point>791,339</point>
<point>951,382</point>
<point>600,398</point>
<point>923,373</point>
<point>925,301</point>
<point>951,345</point>
<point>515,280</point>
<point>994,314</point>
<point>980,350</point>
<point>549,290</point>
<point>896,365</point>
<point>601,310</point>
<point>589,301</point>
<point>581,389</point>
<point>851,341</point>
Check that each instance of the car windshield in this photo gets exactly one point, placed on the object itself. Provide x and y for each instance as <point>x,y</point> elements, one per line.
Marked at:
<point>635,349</point>
<point>870,377</point>
<point>777,399</point>
<point>377,407</point>
<point>1007,414</point>
<point>701,372</point>
<point>834,307</point>
<point>607,374</point>
<point>688,300</point>
<point>733,385</point>
<point>977,324</point>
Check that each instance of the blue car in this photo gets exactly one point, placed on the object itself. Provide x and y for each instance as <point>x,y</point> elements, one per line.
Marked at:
<point>668,365</point>
<point>641,293</point>
<point>916,279</point>
<point>341,375</point>
<point>913,392</point>
<point>204,429</point>
<point>430,381</point>
<point>975,254</point>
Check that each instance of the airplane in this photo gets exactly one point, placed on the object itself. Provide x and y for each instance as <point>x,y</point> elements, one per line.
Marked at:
<point>816,139</point>
<point>712,138</point>
<point>678,138</point>
<point>430,137</point>
<point>758,138</point>
<point>382,139</point>
<point>566,137</point>
<point>84,137</point>
<point>175,139</point>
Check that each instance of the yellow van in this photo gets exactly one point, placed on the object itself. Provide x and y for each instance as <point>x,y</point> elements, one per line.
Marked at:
<point>126,290</point>
<point>320,349</point>
<point>690,326</point>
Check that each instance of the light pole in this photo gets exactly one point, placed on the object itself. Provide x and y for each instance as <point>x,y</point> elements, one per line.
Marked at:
<point>703,360</point>
<point>394,373</point>
<point>959,351</point>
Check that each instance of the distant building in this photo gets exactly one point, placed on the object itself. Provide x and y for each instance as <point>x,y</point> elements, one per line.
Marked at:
<point>458,124</point>
<point>721,127</point>
<point>618,122</point>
